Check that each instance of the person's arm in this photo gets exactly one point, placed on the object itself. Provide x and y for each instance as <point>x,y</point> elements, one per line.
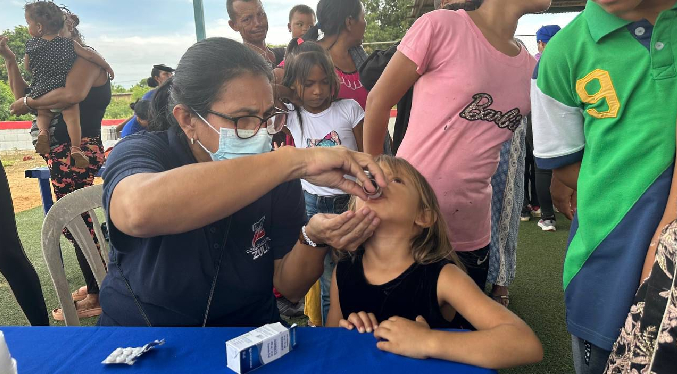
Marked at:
<point>120,127</point>
<point>502,339</point>
<point>93,57</point>
<point>568,174</point>
<point>563,198</point>
<point>140,206</point>
<point>335,314</point>
<point>79,81</point>
<point>398,77</point>
<point>16,82</point>
<point>669,215</point>
<point>358,132</point>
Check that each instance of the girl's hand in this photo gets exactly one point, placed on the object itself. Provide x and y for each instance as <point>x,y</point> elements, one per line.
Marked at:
<point>365,322</point>
<point>326,166</point>
<point>18,108</point>
<point>404,337</point>
<point>346,231</point>
<point>110,72</point>
<point>5,52</point>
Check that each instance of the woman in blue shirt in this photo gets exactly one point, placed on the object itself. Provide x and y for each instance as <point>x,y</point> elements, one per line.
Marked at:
<point>200,234</point>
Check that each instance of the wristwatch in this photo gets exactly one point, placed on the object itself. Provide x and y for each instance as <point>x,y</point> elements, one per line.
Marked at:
<point>304,239</point>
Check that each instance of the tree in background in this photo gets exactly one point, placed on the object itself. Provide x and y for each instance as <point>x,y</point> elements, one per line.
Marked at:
<point>17,43</point>
<point>387,21</point>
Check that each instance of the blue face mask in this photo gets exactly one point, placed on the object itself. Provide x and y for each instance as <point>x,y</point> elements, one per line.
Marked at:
<point>230,146</point>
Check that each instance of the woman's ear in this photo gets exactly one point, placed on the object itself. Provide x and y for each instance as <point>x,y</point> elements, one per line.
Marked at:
<point>349,24</point>
<point>426,218</point>
<point>186,121</point>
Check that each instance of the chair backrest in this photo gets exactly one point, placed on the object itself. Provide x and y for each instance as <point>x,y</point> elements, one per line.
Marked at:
<point>67,213</point>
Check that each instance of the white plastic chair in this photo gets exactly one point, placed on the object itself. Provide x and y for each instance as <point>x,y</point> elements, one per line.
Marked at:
<point>67,213</point>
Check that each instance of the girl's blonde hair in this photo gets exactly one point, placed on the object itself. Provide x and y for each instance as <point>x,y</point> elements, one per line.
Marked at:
<point>432,244</point>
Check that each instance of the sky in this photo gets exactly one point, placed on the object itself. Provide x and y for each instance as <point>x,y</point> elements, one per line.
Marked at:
<point>135,34</point>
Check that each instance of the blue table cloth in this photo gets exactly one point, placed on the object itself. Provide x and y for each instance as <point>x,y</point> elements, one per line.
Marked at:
<point>203,350</point>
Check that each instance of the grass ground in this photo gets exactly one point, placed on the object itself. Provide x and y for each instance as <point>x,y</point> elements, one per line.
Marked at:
<point>536,295</point>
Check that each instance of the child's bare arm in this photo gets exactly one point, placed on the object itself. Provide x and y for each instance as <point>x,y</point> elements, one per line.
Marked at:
<point>335,314</point>
<point>357,131</point>
<point>502,339</point>
<point>27,63</point>
<point>93,57</point>
<point>363,321</point>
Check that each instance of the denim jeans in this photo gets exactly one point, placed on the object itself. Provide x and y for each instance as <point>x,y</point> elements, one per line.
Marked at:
<point>588,358</point>
<point>336,204</point>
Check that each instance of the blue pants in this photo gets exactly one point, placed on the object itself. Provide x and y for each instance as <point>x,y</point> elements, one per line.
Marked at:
<point>336,204</point>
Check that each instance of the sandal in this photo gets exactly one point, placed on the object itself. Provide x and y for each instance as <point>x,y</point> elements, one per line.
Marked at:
<point>57,314</point>
<point>42,144</point>
<point>80,294</point>
<point>80,159</point>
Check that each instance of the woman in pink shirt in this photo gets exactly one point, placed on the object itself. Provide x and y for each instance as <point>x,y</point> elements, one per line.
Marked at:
<point>472,82</point>
<point>342,23</point>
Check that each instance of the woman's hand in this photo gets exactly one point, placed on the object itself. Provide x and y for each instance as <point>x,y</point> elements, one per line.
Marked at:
<point>5,52</point>
<point>327,166</point>
<point>18,108</point>
<point>404,337</point>
<point>346,231</point>
<point>284,94</point>
<point>363,321</point>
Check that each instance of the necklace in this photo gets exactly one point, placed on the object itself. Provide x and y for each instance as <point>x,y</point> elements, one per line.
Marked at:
<point>263,52</point>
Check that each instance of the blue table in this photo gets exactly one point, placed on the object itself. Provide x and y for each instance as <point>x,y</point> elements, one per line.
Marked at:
<point>195,350</point>
<point>42,175</point>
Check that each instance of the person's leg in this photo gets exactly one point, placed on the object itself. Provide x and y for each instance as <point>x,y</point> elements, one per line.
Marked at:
<point>66,179</point>
<point>543,179</point>
<point>42,144</point>
<point>476,265</point>
<point>313,303</point>
<point>14,265</point>
<point>588,358</point>
<point>71,116</point>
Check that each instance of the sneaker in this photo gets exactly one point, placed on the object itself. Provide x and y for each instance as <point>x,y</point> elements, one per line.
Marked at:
<point>547,224</point>
<point>526,216</point>
<point>536,211</point>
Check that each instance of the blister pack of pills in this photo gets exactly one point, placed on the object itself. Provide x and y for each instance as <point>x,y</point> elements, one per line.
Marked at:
<point>129,355</point>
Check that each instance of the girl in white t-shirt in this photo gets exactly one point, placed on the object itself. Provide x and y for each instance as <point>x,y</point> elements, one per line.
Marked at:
<point>319,119</point>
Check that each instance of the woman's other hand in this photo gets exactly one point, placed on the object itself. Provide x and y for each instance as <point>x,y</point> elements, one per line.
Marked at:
<point>5,52</point>
<point>346,231</point>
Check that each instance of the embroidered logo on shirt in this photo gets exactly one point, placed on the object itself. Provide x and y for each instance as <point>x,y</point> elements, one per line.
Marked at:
<point>260,241</point>
<point>479,110</point>
<point>330,140</point>
<point>606,92</point>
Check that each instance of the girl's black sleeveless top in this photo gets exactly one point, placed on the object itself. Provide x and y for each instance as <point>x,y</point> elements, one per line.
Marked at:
<point>412,293</point>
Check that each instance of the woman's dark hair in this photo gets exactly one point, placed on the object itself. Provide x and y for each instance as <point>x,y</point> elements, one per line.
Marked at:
<point>332,15</point>
<point>75,22</point>
<point>141,109</point>
<point>46,13</point>
<point>200,76</point>
<point>151,81</point>
<point>300,60</point>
